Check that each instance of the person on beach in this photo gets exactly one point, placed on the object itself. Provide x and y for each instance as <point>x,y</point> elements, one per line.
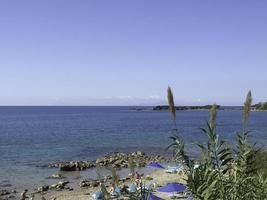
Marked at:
<point>111,190</point>
<point>137,177</point>
<point>23,195</point>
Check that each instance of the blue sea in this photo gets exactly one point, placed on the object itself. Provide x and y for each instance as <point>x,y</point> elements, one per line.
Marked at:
<point>36,136</point>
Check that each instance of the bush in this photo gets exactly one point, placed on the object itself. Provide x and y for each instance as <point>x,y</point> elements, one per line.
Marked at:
<point>224,172</point>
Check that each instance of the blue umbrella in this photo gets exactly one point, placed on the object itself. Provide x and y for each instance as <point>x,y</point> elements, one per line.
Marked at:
<point>172,187</point>
<point>155,165</point>
<point>153,197</point>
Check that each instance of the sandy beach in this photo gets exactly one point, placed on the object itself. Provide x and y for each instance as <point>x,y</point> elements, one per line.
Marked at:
<point>160,177</point>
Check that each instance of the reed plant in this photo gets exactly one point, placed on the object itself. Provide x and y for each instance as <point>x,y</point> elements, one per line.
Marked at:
<point>223,172</point>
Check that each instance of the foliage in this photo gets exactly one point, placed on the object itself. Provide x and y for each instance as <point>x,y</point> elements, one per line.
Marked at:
<point>114,176</point>
<point>260,163</point>
<point>142,193</point>
<point>106,195</point>
<point>260,106</point>
<point>131,165</point>
<point>223,173</point>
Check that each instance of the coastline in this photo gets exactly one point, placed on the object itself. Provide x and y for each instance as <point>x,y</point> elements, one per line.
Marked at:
<point>84,180</point>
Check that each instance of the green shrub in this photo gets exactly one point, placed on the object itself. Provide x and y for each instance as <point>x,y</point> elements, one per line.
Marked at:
<point>223,173</point>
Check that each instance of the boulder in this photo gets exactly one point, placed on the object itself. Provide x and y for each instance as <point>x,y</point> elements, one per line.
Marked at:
<point>56,176</point>
<point>85,183</point>
<point>43,188</point>
<point>4,192</point>
<point>60,185</point>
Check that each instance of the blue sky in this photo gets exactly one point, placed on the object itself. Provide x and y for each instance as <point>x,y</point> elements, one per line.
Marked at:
<point>124,52</point>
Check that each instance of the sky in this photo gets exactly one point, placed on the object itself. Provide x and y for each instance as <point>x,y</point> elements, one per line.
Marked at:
<point>127,52</point>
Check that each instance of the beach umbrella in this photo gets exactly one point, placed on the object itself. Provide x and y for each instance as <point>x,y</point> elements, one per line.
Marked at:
<point>153,197</point>
<point>172,187</point>
<point>155,165</point>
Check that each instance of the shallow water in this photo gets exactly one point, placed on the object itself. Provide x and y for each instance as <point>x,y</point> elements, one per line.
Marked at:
<point>33,136</point>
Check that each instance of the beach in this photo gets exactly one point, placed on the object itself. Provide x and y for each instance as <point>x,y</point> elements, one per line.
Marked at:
<point>159,176</point>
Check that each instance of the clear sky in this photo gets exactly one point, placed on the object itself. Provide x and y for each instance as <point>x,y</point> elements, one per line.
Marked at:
<point>126,52</point>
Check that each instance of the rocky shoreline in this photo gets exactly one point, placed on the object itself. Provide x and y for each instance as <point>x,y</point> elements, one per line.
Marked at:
<point>115,160</point>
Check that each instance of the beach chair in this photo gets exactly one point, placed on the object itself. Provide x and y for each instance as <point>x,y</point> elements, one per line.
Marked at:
<point>116,193</point>
<point>97,195</point>
<point>118,190</point>
<point>132,188</point>
<point>172,170</point>
<point>149,187</point>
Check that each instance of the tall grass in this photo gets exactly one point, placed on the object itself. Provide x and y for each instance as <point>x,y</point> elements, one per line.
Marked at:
<point>224,172</point>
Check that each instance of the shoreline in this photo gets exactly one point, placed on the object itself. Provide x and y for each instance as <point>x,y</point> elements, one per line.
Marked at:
<point>158,176</point>
<point>67,177</point>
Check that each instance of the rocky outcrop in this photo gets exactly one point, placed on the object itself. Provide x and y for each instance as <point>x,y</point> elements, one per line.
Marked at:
<point>115,160</point>
<point>75,166</point>
<point>57,186</point>
<point>122,160</point>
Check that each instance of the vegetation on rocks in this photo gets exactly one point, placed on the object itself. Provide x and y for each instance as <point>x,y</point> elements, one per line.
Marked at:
<point>260,106</point>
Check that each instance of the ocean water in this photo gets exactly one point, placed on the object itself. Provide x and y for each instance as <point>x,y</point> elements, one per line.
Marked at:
<point>34,136</point>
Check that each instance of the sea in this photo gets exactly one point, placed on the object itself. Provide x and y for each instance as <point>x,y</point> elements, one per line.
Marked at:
<point>33,137</point>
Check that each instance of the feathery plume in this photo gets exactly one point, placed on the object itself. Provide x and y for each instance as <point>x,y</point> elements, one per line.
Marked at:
<point>246,111</point>
<point>171,104</point>
<point>213,113</point>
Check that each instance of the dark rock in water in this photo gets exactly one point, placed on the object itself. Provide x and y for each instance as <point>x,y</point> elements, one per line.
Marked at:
<point>43,188</point>
<point>56,176</point>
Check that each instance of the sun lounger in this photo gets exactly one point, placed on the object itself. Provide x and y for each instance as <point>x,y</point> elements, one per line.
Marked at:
<point>149,187</point>
<point>116,193</point>
<point>132,188</point>
<point>173,170</point>
<point>97,195</point>
<point>118,190</point>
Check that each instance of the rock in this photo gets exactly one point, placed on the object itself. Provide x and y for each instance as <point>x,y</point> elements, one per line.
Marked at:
<point>85,183</point>
<point>60,185</point>
<point>43,188</point>
<point>116,160</point>
<point>4,192</point>
<point>11,196</point>
<point>95,183</point>
<point>76,166</point>
<point>56,176</point>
